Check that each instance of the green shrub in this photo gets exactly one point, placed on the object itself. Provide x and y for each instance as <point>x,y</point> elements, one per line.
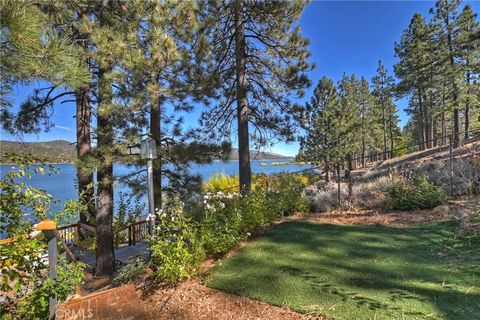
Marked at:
<point>35,305</point>
<point>230,217</point>
<point>285,193</point>
<point>176,248</point>
<point>420,194</point>
<point>127,214</point>
<point>25,287</point>
<point>130,272</point>
<point>221,181</point>
<point>222,222</point>
<point>226,219</point>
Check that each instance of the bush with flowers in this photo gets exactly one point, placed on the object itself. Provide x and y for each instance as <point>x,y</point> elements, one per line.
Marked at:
<point>176,247</point>
<point>180,243</point>
<point>222,222</point>
<point>231,217</point>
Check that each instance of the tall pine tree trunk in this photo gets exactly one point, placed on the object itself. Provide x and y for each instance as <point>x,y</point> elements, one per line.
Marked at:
<point>456,126</point>
<point>104,250</point>
<point>422,122</point>
<point>456,116</point>
<point>391,138</point>
<point>155,127</point>
<point>384,134</point>
<point>363,151</point>
<point>444,129</point>
<point>242,102</point>
<point>327,170</point>
<point>431,133</point>
<point>467,107</point>
<point>339,195</point>
<point>84,146</point>
<point>426,126</point>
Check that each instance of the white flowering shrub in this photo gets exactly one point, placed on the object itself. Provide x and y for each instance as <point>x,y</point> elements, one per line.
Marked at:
<point>176,247</point>
<point>226,219</point>
<point>230,217</point>
<point>222,222</point>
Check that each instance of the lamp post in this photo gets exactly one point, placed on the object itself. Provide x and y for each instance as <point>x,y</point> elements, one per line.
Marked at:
<point>148,150</point>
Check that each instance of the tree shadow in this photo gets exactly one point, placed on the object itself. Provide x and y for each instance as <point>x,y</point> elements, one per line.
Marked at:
<point>373,268</point>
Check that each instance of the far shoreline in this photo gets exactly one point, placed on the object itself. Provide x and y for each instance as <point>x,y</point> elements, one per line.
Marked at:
<point>73,163</point>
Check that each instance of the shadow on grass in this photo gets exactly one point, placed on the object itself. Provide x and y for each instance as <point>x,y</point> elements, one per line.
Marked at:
<point>359,271</point>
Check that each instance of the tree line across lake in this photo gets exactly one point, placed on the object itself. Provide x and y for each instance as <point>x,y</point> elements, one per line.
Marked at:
<point>136,68</point>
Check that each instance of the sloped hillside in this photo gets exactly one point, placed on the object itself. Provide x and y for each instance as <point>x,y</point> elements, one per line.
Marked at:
<point>435,155</point>
<point>56,151</point>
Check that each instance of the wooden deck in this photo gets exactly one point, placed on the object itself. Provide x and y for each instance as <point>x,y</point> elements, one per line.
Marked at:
<point>123,254</point>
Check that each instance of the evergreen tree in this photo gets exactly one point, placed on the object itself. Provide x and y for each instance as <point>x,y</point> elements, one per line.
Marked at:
<point>470,66</point>
<point>35,112</point>
<point>331,121</point>
<point>163,76</point>
<point>438,69</point>
<point>415,51</point>
<point>32,49</point>
<point>318,118</point>
<point>260,58</point>
<point>447,28</point>
<point>383,86</point>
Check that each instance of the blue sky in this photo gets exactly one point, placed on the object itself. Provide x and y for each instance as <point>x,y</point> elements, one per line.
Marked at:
<point>345,36</point>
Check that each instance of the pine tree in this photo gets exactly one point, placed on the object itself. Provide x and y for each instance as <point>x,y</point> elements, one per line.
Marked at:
<point>470,66</point>
<point>163,76</point>
<point>261,61</point>
<point>447,26</point>
<point>34,114</point>
<point>415,52</point>
<point>32,49</point>
<point>330,120</point>
<point>368,126</point>
<point>318,118</point>
<point>438,69</point>
<point>383,86</point>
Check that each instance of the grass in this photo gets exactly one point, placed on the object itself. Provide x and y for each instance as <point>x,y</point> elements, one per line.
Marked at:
<point>359,272</point>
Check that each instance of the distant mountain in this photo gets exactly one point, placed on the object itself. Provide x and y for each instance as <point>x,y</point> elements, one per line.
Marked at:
<point>62,151</point>
<point>56,151</point>
<point>256,155</point>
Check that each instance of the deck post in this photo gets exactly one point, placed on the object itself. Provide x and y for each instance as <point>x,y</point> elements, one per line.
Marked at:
<point>129,235</point>
<point>134,235</point>
<point>79,232</point>
<point>48,228</point>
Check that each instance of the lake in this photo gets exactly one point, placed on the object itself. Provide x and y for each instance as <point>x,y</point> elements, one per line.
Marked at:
<point>62,186</point>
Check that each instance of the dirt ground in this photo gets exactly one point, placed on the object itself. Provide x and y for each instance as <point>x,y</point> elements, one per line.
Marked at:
<point>191,300</point>
<point>454,209</point>
<point>374,217</point>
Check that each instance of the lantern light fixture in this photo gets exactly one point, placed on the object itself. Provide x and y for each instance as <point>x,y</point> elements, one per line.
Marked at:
<point>148,148</point>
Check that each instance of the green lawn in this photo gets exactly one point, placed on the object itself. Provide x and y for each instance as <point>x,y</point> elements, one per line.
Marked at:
<point>359,272</point>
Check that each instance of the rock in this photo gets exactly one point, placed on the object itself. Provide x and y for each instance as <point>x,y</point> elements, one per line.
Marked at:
<point>441,210</point>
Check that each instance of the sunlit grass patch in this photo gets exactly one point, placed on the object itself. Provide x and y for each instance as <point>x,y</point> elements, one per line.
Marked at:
<point>359,272</point>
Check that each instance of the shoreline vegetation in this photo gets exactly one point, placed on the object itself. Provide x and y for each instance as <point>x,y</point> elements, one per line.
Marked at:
<point>263,164</point>
<point>284,163</point>
<point>64,152</point>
